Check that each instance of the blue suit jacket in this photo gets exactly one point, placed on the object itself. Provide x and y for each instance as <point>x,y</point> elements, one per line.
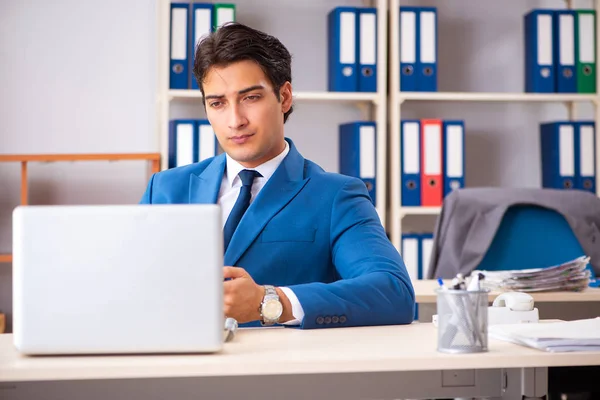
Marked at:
<point>312,231</point>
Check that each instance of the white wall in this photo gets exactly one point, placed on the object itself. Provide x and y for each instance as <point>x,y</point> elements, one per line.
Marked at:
<point>75,77</point>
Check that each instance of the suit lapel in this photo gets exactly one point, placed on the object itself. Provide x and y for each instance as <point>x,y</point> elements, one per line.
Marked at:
<point>281,188</point>
<point>204,188</point>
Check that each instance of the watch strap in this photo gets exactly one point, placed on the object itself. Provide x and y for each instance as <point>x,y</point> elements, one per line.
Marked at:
<point>270,294</point>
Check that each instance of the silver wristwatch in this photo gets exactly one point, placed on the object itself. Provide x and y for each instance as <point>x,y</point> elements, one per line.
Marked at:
<point>270,308</point>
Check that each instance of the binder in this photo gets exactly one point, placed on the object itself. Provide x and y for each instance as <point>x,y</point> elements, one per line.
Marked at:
<point>585,142</point>
<point>431,162</point>
<point>411,254</point>
<point>426,252</point>
<point>558,155</point>
<point>586,51</point>
<point>206,144</point>
<point>410,170</point>
<point>342,49</point>
<point>409,49</point>
<point>181,142</point>
<point>223,13</point>
<point>427,39</point>
<point>367,49</point>
<point>179,62</point>
<point>202,17</point>
<point>358,153</point>
<point>454,156</point>
<point>564,51</point>
<point>539,63</point>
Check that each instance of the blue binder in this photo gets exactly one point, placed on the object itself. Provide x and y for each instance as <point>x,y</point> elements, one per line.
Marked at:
<point>539,61</point>
<point>409,48</point>
<point>206,145</point>
<point>410,170</point>
<point>342,50</point>
<point>559,158</point>
<point>564,50</point>
<point>367,49</point>
<point>411,255</point>
<point>358,153</point>
<point>202,17</point>
<point>585,146</point>
<point>427,40</point>
<point>178,48</point>
<point>425,248</point>
<point>183,142</point>
<point>454,156</point>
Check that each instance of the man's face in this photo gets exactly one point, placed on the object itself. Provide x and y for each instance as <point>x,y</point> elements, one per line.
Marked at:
<point>245,113</point>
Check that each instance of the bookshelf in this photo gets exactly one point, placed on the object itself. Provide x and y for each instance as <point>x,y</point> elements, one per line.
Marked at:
<point>398,99</point>
<point>24,159</point>
<point>371,106</point>
<point>494,97</point>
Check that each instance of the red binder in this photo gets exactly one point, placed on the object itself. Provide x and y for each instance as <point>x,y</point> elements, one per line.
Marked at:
<point>431,162</point>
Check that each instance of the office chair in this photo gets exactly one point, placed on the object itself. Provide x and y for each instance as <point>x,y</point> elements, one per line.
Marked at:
<point>531,237</point>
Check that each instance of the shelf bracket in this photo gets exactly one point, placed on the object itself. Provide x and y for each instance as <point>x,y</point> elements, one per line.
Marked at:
<point>571,110</point>
<point>366,109</point>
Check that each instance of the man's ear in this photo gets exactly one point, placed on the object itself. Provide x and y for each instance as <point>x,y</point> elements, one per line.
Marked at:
<point>285,94</point>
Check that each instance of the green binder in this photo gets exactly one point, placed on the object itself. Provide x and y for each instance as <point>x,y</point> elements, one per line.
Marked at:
<point>222,14</point>
<point>585,51</point>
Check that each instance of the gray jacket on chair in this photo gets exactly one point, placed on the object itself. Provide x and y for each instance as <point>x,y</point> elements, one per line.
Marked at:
<point>470,218</point>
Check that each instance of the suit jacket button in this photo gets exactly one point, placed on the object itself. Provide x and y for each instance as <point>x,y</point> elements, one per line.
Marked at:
<point>342,319</point>
<point>320,320</point>
<point>335,319</point>
<point>327,320</point>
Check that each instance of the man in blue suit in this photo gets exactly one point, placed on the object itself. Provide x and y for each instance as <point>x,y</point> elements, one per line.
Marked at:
<point>302,246</point>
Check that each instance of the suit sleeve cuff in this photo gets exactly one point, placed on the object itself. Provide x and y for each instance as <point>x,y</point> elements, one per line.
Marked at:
<point>297,311</point>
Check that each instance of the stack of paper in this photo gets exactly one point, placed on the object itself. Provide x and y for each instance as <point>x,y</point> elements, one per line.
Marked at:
<point>580,335</point>
<point>570,276</point>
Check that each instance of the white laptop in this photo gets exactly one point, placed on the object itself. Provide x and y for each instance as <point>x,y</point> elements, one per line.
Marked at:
<point>118,279</point>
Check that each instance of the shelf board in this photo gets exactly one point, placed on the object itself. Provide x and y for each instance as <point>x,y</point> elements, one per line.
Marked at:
<point>317,96</point>
<point>79,157</point>
<point>419,211</point>
<point>5,258</point>
<point>496,97</point>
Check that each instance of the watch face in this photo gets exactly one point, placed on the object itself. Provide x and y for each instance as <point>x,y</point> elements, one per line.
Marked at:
<point>272,309</point>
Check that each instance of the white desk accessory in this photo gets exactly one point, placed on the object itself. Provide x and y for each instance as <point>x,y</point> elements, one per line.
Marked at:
<point>513,308</point>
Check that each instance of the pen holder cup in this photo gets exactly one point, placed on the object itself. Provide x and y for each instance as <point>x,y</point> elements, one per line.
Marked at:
<point>462,321</point>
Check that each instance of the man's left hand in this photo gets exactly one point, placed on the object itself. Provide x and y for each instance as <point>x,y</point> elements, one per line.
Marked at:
<point>242,295</point>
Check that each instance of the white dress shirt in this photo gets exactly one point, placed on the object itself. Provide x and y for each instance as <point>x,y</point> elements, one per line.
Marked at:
<point>229,192</point>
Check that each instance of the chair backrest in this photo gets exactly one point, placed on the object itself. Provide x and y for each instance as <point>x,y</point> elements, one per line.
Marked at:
<point>531,237</point>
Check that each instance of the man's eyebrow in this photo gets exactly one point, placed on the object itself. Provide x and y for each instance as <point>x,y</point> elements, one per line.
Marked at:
<point>251,88</point>
<point>243,91</point>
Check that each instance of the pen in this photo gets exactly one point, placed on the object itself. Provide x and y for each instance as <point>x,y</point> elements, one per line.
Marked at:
<point>474,312</point>
<point>441,283</point>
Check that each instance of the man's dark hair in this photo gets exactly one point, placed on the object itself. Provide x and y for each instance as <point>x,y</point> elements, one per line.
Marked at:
<point>234,42</point>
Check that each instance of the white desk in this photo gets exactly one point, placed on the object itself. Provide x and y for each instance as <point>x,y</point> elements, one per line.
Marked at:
<point>551,305</point>
<point>346,363</point>
<point>425,293</point>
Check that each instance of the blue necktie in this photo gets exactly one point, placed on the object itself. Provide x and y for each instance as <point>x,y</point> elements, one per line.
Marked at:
<point>241,205</point>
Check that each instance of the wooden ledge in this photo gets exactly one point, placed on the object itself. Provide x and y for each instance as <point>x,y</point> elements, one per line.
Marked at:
<point>79,157</point>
